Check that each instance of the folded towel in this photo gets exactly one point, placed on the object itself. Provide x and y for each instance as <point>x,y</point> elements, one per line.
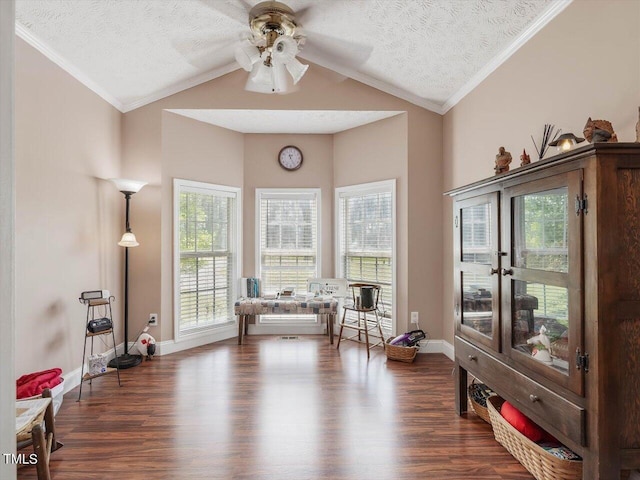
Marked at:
<point>33,384</point>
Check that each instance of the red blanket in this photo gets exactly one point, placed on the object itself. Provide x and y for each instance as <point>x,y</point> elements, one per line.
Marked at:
<point>34,383</point>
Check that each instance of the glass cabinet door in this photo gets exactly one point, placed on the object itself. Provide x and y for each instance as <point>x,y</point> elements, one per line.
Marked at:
<point>476,265</point>
<point>541,291</point>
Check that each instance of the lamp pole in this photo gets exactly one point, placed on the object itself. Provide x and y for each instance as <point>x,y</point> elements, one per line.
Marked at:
<point>127,196</point>
<point>128,188</point>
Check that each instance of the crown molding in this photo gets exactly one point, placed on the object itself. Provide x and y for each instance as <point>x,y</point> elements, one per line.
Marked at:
<point>548,15</point>
<point>66,65</point>
<point>181,86</point>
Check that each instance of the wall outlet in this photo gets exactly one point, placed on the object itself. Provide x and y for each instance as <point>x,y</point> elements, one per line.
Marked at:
<point>414,317</point>
<point>153,319</point>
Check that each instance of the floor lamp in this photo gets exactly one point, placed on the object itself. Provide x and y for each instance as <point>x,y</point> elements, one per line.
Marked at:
<point>128,240</point>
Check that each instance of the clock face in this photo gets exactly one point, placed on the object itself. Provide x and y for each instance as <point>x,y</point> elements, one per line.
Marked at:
<point>290,158</point>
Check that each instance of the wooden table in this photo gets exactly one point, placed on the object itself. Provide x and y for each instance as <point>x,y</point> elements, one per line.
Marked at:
<point>250,307</point>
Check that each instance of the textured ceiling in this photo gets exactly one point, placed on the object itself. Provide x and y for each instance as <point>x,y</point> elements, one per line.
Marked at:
<point>429,52</point>
<point>286,121</point>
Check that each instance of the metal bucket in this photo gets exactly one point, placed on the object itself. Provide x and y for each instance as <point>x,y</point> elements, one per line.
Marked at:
<point>366,297</point>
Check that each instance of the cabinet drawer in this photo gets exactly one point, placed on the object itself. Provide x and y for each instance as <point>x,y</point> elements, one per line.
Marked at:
<point>548,409</point>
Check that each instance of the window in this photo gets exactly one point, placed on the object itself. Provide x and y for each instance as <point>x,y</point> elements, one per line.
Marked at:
<point>206,253</point>
<point>365,216</point>
<point>287,228</point>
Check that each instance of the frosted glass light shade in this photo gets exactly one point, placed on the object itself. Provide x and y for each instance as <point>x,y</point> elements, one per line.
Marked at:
<point>284,49</point>
<point>128,240</point>
<point>279,78</point>
<point>296,69</point>
<point>246,55</point>
<point>260,79</point>
<point>126,185</point>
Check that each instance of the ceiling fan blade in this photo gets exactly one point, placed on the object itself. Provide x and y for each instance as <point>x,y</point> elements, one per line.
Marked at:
<point>207,51</point>
<point>303,15</point>
<point>337,51</point>
<point>237,10</point>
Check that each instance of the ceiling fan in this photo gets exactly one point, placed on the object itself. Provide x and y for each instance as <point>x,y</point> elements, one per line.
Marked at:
<point>269,49</point>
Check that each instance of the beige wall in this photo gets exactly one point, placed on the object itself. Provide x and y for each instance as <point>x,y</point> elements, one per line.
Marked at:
<point>372,153</point>
<point>262,171</point>
<point>585,63</point>
<point>319,90</point>
<point>196,151</point>
<point>68,218</point>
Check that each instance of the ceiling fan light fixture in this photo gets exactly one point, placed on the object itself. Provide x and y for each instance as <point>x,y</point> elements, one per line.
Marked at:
<point>296,69</point>
<point>280,84</point>
<point>284,50</point>
<point>247,55</point>
<point>260,79</point>
<point>276,36</point>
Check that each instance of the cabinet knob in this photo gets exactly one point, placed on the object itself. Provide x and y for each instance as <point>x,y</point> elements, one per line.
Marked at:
<point>534,398</point>
<point>495,271</point>
<point>507,271</point>
<point>473,358</point>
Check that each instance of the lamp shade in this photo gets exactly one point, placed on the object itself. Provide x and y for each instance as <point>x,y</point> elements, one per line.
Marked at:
<point>126,185</point>
<point>279,78</point>
<point>246,55</point>
<point>566,142</point>
<point>296,69</point>
<point>284,49</point>
<point>128,240</point>
<point>260,79</point>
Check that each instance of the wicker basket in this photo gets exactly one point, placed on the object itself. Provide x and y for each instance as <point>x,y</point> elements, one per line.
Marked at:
<point>540,463</point>
<point>476,390</point>
<point>400,353</point>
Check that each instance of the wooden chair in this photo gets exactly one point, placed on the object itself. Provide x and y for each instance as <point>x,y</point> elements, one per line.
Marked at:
<point>31,432</point>
<point>364,303</point>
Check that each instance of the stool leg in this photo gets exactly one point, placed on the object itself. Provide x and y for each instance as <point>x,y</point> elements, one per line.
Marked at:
<point>366,333</point>
<point>50,421</point>
<point>40,449</point>
<point>380,329</point>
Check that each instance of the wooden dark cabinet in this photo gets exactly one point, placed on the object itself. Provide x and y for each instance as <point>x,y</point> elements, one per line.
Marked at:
<point>547,298</point>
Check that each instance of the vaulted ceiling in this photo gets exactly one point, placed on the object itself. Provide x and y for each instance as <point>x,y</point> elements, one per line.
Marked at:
<point>428,52</point>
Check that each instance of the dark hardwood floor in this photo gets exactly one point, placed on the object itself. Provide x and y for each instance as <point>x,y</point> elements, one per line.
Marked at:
<point>276,409</point>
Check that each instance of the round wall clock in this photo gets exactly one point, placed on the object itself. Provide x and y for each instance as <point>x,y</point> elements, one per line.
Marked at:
<point>290,158</point>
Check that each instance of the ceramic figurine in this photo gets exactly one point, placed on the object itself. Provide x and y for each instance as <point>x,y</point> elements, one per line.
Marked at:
<point>503,159</point>
<point>599,131</point>
<point>542,346</point>
<point>525,159</point>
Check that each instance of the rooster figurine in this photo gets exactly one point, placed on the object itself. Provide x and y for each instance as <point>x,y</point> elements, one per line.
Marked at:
<point>147,346</point>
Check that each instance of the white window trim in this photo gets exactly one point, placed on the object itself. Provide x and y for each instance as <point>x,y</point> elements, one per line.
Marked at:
<point>180,185</point>
<point>295,193</point>
<point>305,321</point>
<point>362,189</point>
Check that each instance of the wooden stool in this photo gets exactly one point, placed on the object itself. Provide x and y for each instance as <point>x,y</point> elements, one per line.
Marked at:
<point>365,298</point>
<point>30,414</point>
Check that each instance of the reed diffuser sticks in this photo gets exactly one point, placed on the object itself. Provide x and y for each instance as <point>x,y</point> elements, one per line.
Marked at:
<point>548,136</point>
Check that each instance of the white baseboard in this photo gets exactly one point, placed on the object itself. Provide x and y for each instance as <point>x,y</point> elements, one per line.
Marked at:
<point>438,346</point>
<point>172,346</point>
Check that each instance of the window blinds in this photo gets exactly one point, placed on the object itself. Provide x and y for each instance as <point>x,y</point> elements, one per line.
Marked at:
<point>288,224</point>
<point>366,242</point>
<point>206,235</point>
